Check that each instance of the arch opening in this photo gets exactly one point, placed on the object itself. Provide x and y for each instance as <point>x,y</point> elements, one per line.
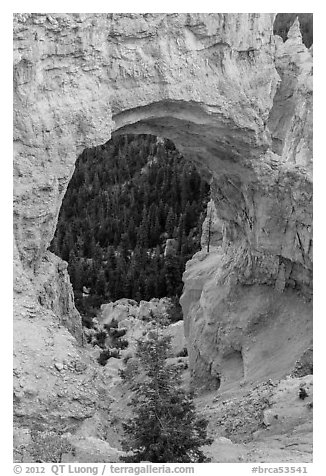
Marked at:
<point>130,220</point>
<point>245,176</point>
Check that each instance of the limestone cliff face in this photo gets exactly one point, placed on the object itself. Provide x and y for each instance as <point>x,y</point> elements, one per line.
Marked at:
<point>232,97</point>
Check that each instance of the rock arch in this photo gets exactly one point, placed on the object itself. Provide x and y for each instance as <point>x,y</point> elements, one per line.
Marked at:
<point>79,77</point>
<point>219,85</point>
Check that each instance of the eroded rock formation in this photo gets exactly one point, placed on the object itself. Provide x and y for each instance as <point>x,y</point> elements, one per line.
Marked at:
<point>234,99</point>
<point>247,304</point>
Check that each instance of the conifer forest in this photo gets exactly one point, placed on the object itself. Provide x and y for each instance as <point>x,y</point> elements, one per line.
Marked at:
<point>125,200</point>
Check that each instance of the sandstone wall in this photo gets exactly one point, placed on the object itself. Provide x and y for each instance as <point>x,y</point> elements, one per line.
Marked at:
<point>233,98</point>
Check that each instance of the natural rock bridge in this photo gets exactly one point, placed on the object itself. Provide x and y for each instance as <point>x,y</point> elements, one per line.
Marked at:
<point>234,99</point>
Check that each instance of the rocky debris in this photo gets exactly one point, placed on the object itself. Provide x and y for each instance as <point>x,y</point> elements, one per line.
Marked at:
<point>268,423</point>
<point>268,417</point>
<point>155,307</point>
<point>224,450</point>
<point>59,366</point>
<point>123,309</point>
<point>21,441</point>
<point>56,386</point>
<point>30,310</point>
<point>304,365</point>
<point>239,418</point>
<point>130,321</point>
<point>90,449</point>
<point>117,311</point>
<point>181,362</point>
<point>76,448</point>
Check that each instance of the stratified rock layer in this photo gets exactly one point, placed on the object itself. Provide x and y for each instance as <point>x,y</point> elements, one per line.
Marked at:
<point>234,99</point>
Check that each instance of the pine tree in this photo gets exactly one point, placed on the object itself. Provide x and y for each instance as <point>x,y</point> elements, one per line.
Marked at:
<point>143,230</point>
<point>170,223</point>
<point>172,274</point>
<point>100,286</point>
<point>165,427</point>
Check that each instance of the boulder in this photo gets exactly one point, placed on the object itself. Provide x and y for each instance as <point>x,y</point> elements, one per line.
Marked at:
<point>171,247</point>
<point>179,343</point>
<point>155,307</point>
<point>117,311</point>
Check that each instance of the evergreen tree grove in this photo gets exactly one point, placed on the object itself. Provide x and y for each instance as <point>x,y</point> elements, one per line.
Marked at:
<point>165,427</point>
